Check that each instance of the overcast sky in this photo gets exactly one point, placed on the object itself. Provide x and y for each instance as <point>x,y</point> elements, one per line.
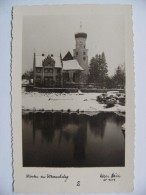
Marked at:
<point>55,33</point>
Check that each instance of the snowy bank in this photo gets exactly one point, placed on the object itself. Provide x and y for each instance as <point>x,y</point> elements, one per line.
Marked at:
<point>71,102</point>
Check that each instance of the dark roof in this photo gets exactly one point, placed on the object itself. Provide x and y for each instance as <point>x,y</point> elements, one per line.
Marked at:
<point>68,56</point>
<point>82,34</point>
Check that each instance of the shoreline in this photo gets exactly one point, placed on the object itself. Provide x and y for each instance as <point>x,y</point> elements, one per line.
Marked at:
<point>89,113</point>
<point>81,103</point>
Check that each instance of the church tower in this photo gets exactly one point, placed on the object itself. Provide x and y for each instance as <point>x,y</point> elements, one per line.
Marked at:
<point>80,53</point>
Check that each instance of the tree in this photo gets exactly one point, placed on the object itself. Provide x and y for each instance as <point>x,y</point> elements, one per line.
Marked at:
<point>98,70</point>
<point>119,77</point>
<point>28,75</point>
<point>109,82</point>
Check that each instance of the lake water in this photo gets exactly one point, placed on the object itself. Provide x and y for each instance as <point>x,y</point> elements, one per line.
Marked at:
<point>72,140</point>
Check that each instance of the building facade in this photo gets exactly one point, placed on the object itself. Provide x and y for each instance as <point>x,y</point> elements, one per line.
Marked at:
<point>47,70</point>
<point>55,71</point>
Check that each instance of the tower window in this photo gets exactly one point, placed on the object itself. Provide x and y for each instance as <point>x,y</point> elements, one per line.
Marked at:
<point>84,53</point>
<point>76,53</point>
<point>84,58</point>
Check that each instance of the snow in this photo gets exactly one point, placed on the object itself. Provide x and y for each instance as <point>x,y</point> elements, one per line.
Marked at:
<point>67,65</point>
<point>71,65</point>
<point>57,61</point>
<point>25,81</point>
<point>73,102</point>
<point>39,60</point>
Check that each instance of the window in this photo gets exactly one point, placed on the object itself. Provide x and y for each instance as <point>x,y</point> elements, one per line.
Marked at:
<point>46,79</point>
<point>58,78</point>
<point>58,70</point>
<point>84,53</point>
<point>84,58</point>
<point>38,70</point>
<point>48,70</point>
<point>50,78</point>
<point>76,53</point>
<point>74,77</point>
<point>38,78</point>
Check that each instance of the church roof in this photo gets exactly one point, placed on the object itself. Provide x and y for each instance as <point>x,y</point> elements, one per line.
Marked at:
<point>68,56</point>
<point>39,60</point>
<point>71,65</point>
<point>57,61</point>
<point>67,65</point>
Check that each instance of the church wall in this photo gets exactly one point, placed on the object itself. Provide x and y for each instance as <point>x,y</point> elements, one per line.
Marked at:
<point>81,55</point>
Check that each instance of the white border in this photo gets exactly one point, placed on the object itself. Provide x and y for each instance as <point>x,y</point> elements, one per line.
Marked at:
<point>89,177</point>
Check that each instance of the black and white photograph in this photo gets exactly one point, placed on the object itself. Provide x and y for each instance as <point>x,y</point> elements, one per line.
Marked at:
<point>73,91</point>
<point>73,96</point>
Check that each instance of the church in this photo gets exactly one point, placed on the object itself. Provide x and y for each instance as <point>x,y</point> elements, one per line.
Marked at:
<point>57,71</point>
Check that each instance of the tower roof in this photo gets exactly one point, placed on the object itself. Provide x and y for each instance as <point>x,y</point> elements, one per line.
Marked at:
<point>81,34</point>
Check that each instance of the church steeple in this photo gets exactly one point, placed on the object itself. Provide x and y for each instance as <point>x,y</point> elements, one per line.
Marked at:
<point>80,52</point>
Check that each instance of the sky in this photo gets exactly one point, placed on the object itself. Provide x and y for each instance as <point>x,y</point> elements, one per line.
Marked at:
<point>54,34</point>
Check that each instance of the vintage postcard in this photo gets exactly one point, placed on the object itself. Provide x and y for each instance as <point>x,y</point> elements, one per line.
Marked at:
<point>73,99</point>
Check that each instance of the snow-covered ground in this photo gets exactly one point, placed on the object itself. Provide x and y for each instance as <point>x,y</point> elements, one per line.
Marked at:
<point>80,102</point>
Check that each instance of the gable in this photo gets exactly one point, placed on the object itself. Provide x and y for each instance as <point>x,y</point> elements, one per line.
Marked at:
<point>68,56</point>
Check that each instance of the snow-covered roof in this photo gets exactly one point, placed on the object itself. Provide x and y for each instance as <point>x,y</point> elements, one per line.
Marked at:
<point>57,61</point>
<point>67,65</point>
<point>40,58</point>
<point>71,65</point>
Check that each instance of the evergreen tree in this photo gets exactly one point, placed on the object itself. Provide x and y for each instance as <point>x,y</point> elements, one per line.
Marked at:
<point>28,75</point>
<point>98,70</point>
<point>119,77</point>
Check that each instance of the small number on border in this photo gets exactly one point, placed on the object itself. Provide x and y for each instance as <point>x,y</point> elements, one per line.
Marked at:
<point>78,183</point>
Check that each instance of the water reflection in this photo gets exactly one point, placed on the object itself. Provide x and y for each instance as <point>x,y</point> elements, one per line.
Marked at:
<point>71,140</point>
